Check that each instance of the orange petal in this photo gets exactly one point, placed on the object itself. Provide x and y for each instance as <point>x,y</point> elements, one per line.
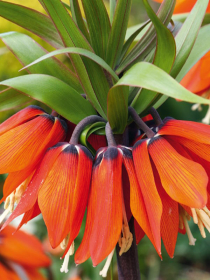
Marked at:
<point>146,205</point>
<point>29,197</point>
<point>21,117</point>
<point>170,218</point>
<point>184,180</point>
<point>139,232</point>
<point>199,132</point>
<point>81,192</point>
<point>34,274</point>
<point>107,223</point>
<point>97,141</point>
<point>7,273</point>
<point>22,248</point>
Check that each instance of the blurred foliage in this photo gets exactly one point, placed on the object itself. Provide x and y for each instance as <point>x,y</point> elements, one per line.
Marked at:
<point>189,262</point>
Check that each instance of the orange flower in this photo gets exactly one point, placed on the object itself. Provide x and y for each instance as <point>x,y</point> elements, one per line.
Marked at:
<point>184,6</point>
<point>107,219</point>
<point>173,164</point>
<point>59,190</point>
<point>21,254</point>
<point>24,138</point>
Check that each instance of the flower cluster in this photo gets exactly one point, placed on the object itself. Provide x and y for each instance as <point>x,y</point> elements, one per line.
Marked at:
<point>161,181</point>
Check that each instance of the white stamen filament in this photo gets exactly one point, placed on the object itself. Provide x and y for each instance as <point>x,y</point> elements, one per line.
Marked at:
<point>104,271</point>
<point>206,119</point>
<point>196,107</point>
<point>201,228</point>
<point>65,242</point>
<point>195,217</point>
<point>189,233</point>
<point>204,218</point>
<point>64,267</point>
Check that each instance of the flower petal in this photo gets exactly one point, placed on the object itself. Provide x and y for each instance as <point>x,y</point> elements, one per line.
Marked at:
<point>146,204</point>
<point>198,132</point>
<point>184,180</point>
<point>107,223</point>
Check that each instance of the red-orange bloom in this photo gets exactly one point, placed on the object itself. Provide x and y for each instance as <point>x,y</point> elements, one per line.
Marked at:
<point>165,164</point>
<point>107,220</point>
<point>61,186</point>
<point>21,253</point>
<point>24,138</point>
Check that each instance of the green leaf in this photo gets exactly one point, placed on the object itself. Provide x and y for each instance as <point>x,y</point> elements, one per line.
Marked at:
<point>89,72</point>
<point>27,50</point>
<point>54,93</point>
<point>112,9</point>
<point>77,17</point>
<point>164,59</point>
<point>118,108</point>
<point>10,99</point>
<point>201,47</point>
<point>186,37</point>
<point>182,18</point>
<point>98,25</point>
<point>142,73</point>
<point>118,31</point>
<point>31,20</point>
<point>147,42</point>
<point>86,53</point>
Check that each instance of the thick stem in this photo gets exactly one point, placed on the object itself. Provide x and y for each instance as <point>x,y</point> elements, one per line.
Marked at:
<point>156,116</point>
<point>109,135</point>
<point>140,123</point>
<point>81,125</point>
<point>128,265</point>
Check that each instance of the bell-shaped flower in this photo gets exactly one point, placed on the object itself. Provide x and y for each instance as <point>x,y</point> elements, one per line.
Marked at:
<point>107,218</point>
<point>24,138</point>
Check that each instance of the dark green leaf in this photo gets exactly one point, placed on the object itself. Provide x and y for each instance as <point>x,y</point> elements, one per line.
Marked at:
<point>54,93</point>
<point>86,53</point>
<point>98,25</point>
<point>118,31</point>
<point>31,20</point>
<point>91,75</point>
<point>117,110</point>
<point>77,17</point>
<point>27,50</point>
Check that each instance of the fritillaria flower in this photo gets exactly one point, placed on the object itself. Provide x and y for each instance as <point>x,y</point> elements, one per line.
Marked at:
<point>24,138</point>
<point>21,254</point>
<point>173,179</point>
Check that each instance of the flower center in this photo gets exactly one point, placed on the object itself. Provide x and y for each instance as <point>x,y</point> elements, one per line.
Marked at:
<point>184,217</point>
<point>201,217</point>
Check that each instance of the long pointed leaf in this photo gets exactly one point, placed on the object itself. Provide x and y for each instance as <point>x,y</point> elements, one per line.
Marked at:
<point>164,59</point>
<point>27,50</point>
<point>31,20</point>
<point>118,31</point>
<point>80,51</point>
<point>77,17</point>
<point>142,73</point>
<point>56,94</point>
<point>98,25</point>
<point>88,71</point>
<point>10,99</point>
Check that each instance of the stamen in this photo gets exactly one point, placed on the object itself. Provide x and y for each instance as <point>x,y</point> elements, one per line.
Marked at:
<point>196,107</point>
<point>195,217</point>
<point>4,214</point>
<point>64,267</point>
<point>189,233</point>
<point>126,240</point>
<point>104,271</point>
<point>181,225</point>
<point>65,242</point>
<point>204,218</point>
<point>205,209</point>
<point>206,119</point>
<point>201,228</point>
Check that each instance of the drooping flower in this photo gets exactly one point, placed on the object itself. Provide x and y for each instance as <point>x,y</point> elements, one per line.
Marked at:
<point>24,138</point>
<point>172,162</point>
<point>107,216</point>
<point>21,253</point>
